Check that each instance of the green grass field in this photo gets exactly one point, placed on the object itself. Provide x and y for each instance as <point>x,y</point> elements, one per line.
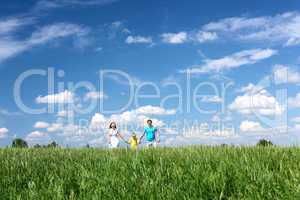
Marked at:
<point>166,173</point>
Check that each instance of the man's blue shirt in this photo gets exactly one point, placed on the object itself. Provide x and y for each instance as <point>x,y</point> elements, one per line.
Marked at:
<point>150,133</point>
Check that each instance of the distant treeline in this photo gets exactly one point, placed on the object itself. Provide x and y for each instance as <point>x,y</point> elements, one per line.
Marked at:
<point>20,143</point>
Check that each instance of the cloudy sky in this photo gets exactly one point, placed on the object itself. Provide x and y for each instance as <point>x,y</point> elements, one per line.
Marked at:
<point>206,72</point>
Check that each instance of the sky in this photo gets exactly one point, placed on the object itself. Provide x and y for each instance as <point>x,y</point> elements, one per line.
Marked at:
<point>206,72</point>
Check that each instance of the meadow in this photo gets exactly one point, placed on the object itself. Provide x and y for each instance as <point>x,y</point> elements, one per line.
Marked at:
<point>162,173</point>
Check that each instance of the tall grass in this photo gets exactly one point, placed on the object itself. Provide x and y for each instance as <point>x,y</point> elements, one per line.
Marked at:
<point>164,173</point>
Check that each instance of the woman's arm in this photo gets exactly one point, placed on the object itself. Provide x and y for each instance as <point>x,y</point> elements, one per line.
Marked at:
<point>120,136</point>
<point>109,137</point>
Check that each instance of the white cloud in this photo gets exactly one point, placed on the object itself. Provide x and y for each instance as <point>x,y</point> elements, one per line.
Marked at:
<point>211,99</point>
<point>235,60</point>
<point>13,24</point>
<point>71,132</point>
<point>126,31</point>
<point>204,131</point>
<point>296,119</point>
<point>220,133</point>
<point>55,127</point>
<point>98,49</point>
<point>9,113</point>
<point>260,103</point>
<point>88,2</point>
<point>41,124</point>
<point>250,126</point>
<point>283,28</point>
<point>216,118</point>
<point>192,36</point>
<point>74,130</point>
<point>9,46</point>
<point>297,127</point>
<point>36,136</point>
<point>154,110</point>
<point>98,142</point>
<point>65,113</point>
<point>59,98</point>
<point>138,39</point>
<point>256,128</point>
<point>204,36</point>
<point>3,132</point>
<point>137,117</point>
<point>55,31</point>
<point>98,120</point>
<point>285,74</point>
<point>62,113</point>
<point>175,38</point>
<point>52,4</point>
<point>46,5</point>
<point>116,24</point>
<point>251,88</point>
<point>123,80</point>
<point>115,29</point>
<point>128,121</point>
<point>235,24</point>
<point>95,95</point>
<point>133,118</point>
<point>294,102</point>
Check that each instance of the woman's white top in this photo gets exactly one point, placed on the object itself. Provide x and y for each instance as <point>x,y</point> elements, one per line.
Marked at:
<point>114,140</point>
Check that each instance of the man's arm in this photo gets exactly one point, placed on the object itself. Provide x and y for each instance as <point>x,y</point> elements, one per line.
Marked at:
<point>157,136</point>
<point>141,138</point>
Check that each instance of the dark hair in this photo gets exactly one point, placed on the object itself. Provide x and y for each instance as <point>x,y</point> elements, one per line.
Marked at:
<point>149,120</point>
<point>110,125</point>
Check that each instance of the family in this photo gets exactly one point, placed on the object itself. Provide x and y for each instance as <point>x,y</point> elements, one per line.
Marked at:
<point>151,133</point>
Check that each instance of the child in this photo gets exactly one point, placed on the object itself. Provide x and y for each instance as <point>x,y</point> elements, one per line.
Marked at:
<point>133,141</point>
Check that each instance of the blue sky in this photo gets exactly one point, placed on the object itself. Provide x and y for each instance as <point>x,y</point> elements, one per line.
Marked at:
<point>183,54</point>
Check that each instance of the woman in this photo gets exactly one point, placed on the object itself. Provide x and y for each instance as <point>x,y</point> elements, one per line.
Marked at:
<point>114,136</point>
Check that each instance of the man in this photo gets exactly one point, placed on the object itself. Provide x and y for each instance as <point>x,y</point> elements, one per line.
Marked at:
<point>152,136</point>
